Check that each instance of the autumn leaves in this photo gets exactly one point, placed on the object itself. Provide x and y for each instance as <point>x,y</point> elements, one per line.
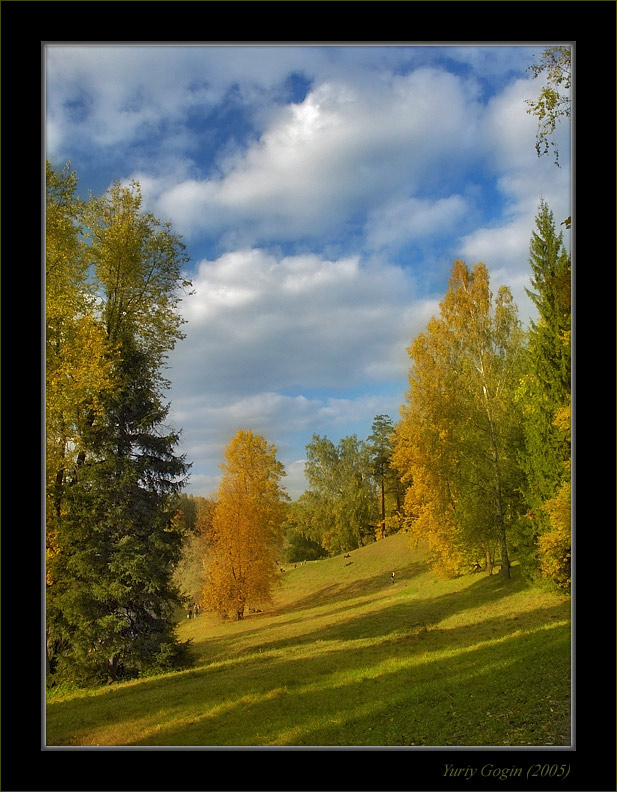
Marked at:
<point>247,532</point>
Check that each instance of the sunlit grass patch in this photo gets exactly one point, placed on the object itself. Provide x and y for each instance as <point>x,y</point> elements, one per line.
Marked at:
<point>349,659</point>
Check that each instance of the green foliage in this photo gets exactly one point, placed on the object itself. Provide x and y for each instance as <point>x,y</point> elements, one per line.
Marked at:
<point>544,392</point>
<point>298,547</point>
<point>554,101</point>
<point>112,538</point>
<point>386,476</point>
<point>195,512</point>
<point>343,501</point>
<point>308,520</point>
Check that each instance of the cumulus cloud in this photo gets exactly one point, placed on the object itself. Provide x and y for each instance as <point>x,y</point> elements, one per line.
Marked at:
<point>395,224</point>
<point>288,422</point>
<point>523,180</point>
<point>289,346</point>
<point>260,322</point>
<point>338,152</point>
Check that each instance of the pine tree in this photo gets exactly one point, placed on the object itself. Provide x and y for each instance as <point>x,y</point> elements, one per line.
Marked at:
<point>390,488</point>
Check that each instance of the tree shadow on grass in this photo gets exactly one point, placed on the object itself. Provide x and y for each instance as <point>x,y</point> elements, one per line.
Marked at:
<point>411,613</point>
<point>415,616</point>
<point>362,586</point>
<point>237,688</point>
<point>479,694</point>
<point>336,594</point>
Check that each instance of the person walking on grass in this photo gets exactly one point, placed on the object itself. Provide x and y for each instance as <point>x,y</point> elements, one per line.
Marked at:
<point>392,578</point>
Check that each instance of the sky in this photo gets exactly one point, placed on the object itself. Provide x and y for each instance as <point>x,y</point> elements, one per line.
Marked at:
<point>323,193</point>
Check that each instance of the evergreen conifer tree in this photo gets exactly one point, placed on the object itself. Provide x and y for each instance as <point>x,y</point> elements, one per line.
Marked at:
<point>112,595</point>
<point>547,383</point>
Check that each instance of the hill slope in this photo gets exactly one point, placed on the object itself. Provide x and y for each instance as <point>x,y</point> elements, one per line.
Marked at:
<point>342,657</point>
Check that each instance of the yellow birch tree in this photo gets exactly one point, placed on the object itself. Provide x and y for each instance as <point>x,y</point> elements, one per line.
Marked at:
<point>459,436</point>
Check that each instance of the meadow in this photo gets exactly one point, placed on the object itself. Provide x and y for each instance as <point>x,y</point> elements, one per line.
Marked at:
<point>343,657</point>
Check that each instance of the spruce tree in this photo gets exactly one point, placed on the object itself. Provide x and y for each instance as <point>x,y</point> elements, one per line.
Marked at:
<point>111,604</point>
<point>547,383</point>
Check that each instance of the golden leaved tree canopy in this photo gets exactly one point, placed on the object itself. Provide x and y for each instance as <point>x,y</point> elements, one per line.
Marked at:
<point>77,364</point>
<point>458,440</point>
<point>247,533</point>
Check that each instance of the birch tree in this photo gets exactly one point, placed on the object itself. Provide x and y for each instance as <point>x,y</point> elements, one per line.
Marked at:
<point>459,436</point>
<point>554,101</point>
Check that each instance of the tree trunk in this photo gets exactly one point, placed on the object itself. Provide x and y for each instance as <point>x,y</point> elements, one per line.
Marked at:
<point>505,561</point>
<point>112,669</point>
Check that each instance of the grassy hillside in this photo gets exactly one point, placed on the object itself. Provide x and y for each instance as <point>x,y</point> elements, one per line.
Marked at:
<point>343,657</point>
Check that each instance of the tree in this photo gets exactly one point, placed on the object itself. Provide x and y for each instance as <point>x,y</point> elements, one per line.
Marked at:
<point>554,101</point>
<point>308,521</point>
<point>111,603</point>
<point>555,543</point>
<point>247,527</point>
<point>380,448</point>
<point>190,575</point>
<point>545,390</point>
<point>341,480</point>
<point>459,434</point>
<point>76,361</point>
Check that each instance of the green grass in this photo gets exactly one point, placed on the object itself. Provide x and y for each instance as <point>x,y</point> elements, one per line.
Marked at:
<point>344,658</point>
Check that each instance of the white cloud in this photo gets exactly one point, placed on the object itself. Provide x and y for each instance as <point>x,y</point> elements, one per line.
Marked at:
<point>289,346</point>
<point>263,322</point>
<point>287,422</point>
<point>396,223</point>
<point>523,179</point>
<point>340,151</point>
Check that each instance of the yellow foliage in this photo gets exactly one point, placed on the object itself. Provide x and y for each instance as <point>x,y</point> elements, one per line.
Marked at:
<point>454,443</point>
<point>563,418</point>
<point>77,358</point>
<point>555,545</point>
<point>247,524</point>
<point>51,551</point>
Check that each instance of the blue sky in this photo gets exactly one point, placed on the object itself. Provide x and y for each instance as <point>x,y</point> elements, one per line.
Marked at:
<point>323,193</point>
